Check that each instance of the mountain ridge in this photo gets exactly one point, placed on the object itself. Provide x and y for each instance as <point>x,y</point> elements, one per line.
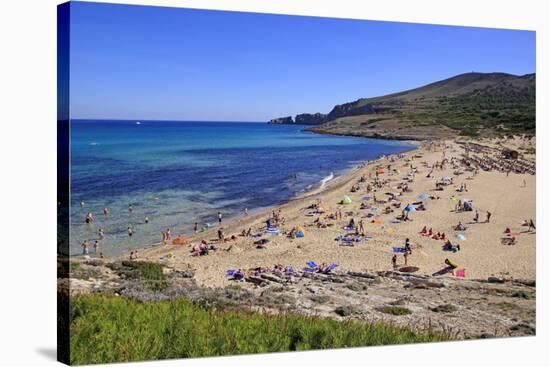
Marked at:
<point>466,104</point>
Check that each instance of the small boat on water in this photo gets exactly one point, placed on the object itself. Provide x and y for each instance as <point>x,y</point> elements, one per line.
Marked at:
<point>138,123</point>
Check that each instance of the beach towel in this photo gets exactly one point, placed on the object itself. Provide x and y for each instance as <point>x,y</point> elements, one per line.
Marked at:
<point>394,221</point>
<point>461,273</point>
<point>230,272</point>
<point>289,271</point>
<point>408,269</point>
<point>391,230</point>
<point>348,228</point>
<point>348,239</point>
<point>272,230</point>
<point>443,271</point>
<point>398,250</point>
<point>330,268</point>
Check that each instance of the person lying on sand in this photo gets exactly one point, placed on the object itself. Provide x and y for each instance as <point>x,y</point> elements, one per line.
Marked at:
<point>460,227</point>
<point>448,246</point>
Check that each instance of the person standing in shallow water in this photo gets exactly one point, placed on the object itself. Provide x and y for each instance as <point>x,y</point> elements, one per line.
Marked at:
<point>130,232</point>
<point>105,211</point>
<point>220,218</point>
<point>96,247</point>
<point>196,227</point>
<point>130,208</point>
<point>85,247</point>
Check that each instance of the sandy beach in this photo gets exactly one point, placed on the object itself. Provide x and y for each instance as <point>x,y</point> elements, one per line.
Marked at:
<point>510,198</point>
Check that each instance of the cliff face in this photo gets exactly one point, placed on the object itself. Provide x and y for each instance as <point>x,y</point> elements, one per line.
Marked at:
<point>311,118</point>
<point>282,120</point>
<point>351,109</point>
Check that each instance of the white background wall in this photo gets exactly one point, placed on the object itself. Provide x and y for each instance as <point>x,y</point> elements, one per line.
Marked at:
<point>28,174</point>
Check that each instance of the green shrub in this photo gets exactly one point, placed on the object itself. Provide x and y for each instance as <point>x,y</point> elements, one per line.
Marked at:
<point>523,294</point>
<point>150,273</point>
<point>444,308</point>
<point>108,329</point>
<point>395,310</point>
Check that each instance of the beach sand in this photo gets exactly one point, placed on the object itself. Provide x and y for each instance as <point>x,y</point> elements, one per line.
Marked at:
<point>482,254</point>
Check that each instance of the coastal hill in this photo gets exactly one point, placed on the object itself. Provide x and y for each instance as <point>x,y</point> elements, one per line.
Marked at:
<point>471,104</point>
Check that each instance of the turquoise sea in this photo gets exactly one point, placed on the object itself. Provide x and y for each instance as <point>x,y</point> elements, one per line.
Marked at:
<point>179,172</point>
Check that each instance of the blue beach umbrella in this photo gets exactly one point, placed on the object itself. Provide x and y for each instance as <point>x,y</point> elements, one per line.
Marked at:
<point>409,208</point>
<point>423,196</point>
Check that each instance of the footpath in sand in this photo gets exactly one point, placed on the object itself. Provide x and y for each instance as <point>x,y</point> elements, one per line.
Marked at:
<point>510,198</point>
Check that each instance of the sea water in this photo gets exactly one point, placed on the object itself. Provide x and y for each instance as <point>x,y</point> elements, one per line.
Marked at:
<point>177,173</point>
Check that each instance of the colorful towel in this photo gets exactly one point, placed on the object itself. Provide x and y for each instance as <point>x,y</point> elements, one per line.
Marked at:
<point>461,273</point>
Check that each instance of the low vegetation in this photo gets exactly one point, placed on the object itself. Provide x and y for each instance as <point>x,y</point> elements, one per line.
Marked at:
<point>107,329</point>
<point>395,310</point>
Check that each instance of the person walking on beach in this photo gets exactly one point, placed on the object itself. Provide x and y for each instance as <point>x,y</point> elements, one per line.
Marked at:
<point>196,227</point>
<point>84,247</point>
<point>220,218</point>
<point>221,237</point>
<point>394,261</point>
<point>531,225</point>
<point>476,217</point>
<point>96,247</point>
<point>408,248</point>
<point>168,234</point>
<point>488,218</point>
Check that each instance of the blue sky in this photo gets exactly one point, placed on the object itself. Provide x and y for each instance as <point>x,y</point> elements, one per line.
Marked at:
<point>137,62</point>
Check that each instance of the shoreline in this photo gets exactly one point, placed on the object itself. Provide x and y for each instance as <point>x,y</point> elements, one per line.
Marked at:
<point>337,182</point>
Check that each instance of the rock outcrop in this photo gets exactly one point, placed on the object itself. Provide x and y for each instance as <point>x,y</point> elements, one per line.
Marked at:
<point>282,120</point>
<point>311,118</point>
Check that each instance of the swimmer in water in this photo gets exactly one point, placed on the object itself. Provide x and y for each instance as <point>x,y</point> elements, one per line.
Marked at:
<point>105,211</point>
<point>130,232</point>
<point>101,233</point>
<point>146,219</point>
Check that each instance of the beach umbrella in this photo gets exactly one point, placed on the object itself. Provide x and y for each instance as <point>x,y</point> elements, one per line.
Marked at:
<point>409,208</point>
<point>460,237</point>
<point>423,196</point>
<point>346,200</point>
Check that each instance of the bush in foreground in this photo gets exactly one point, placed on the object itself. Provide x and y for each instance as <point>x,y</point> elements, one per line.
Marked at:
<point>106,329</point>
